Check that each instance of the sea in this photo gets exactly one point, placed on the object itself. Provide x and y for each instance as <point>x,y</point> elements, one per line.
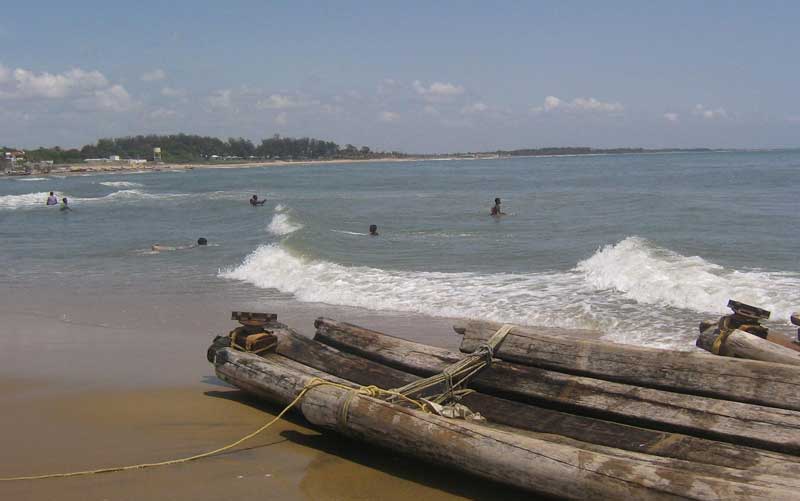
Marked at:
<point>639,246</point>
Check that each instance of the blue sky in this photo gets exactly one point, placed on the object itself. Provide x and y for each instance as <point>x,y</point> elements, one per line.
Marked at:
<point>412,76</point>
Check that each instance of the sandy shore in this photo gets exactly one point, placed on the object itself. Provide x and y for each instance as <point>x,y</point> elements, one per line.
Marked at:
<point>92,382</point>
<point>125,168</point>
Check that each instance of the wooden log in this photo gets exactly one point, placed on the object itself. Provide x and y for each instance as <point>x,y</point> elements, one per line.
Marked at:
<point>778,338</point>
<point>526,462</point>
<point>734,422</point>
<point>691,450</point>
<point>741,344</point>
<point>739,380</point>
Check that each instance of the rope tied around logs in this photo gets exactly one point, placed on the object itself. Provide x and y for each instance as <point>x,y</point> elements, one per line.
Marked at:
<point>466,367</point>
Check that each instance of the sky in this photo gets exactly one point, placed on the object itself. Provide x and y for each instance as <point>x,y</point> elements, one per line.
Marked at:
<point>417,77</point>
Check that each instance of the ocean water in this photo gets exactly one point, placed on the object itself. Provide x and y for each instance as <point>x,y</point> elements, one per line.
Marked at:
<point>641,247</point>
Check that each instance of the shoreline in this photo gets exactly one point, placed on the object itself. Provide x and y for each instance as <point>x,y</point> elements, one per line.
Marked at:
<point>110,380</point>
<point>124,168</point>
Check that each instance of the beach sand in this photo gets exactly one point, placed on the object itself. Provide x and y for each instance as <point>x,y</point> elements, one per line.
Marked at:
<point>107,380</point>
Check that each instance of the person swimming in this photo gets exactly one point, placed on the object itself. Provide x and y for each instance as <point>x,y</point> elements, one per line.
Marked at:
<point>159,248</point>
<point>65,204</point>
<point>496,211</point>
<point>52,199</point>
<point>254,201</point>
<point>373,230</point>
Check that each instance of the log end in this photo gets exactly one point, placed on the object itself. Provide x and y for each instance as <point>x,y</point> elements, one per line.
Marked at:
<point>795,318</point>
<point>460,327</point>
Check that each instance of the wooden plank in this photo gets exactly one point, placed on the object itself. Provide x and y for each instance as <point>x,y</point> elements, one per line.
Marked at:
<point>526,462</point>
<point>749,381</point>
<point>588,430</point>
<point>734,422</point>
<point>741,344</point>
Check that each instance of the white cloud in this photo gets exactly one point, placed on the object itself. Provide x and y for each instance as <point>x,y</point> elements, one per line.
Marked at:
<point>152,76</point>
<point>115,98</point>
<point>282,118</point>
<point>162,113</point>
<point>671,117</point>
<point>579,104</point>
<point>220,99</point>
<point>282,102</point>
<point>388,116</point>
<point>474,108</point>
<point>438,91</point>
<point>84,90</point>
<point>708,113</point>
<point>431,110</point>
<point>172,92</point>
<point>25,84</point>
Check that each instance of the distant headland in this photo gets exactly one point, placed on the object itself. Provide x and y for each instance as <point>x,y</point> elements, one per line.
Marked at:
<point>155,152</point>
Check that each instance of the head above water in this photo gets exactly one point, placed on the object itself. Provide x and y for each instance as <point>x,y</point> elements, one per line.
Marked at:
<point>202,241</point>
<point>497,201</point>
<point>64,199</point>
<point>373,229</point>
<point>255,197</point>
<point>51,193</point>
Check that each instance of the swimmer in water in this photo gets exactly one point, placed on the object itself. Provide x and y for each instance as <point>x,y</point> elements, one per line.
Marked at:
<point>496,211</point>
<point>373,230</point>
<point>254,201</point>
<point>52,199</point>
<point>65,204</point>
<point>160,248</point>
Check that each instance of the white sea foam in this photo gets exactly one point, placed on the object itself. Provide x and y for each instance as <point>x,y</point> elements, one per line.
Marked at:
<point>22,201</point>
<point>281,208</point>
<point>496,296</point>
<point>121,184</point>
<point>31,179</point>
<point>634,292</point>
<point>29,200</point>
<point>282,224</point>
<point>651,275</point>
<point>345,232</point>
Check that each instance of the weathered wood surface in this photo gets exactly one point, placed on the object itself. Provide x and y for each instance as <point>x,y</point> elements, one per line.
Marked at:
<point>778,338</point>
<point>740,344</point>
<point>734,422</point>
<point>526,462</point>
<point>691,450</point>
<point>751,381</point>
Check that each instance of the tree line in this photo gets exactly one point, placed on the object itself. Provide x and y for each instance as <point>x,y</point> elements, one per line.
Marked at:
<point>179,148</point>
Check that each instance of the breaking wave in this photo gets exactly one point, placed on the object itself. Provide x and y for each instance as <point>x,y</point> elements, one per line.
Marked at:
<point>31,179</point>
<point>282,224</point>
<point>25,200</point>
<point>652,275</point>
<point>633,291</point>
<point>121,184</point>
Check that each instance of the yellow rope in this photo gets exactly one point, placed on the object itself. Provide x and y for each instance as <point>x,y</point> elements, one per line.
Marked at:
<point>371,391</point>
<point>313,383</point>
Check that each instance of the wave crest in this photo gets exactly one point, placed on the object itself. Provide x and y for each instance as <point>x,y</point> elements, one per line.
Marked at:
<point>282,225</point>
<point>648,274</point>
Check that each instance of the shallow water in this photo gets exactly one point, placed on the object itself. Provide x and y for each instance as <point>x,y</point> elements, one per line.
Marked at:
<point>640,246</point>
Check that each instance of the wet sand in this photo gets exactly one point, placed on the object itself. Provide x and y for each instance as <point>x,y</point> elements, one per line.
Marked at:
<point>90,382</point>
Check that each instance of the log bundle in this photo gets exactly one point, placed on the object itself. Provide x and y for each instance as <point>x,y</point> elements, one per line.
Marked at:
<point>561,431</point>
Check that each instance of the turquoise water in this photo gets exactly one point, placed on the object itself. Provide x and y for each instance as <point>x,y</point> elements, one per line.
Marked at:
<point>640,246</point>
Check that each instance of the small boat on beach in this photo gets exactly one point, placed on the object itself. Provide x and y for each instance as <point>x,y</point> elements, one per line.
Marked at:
<point>552,411</point>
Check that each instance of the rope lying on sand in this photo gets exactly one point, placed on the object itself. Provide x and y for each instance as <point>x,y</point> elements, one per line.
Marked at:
<point>468,367</point>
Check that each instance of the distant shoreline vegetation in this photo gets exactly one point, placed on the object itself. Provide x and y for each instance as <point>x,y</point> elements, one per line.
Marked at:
<point>185,148</point>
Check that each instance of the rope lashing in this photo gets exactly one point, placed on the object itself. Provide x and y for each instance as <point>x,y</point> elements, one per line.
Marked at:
<point>457,374</point>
